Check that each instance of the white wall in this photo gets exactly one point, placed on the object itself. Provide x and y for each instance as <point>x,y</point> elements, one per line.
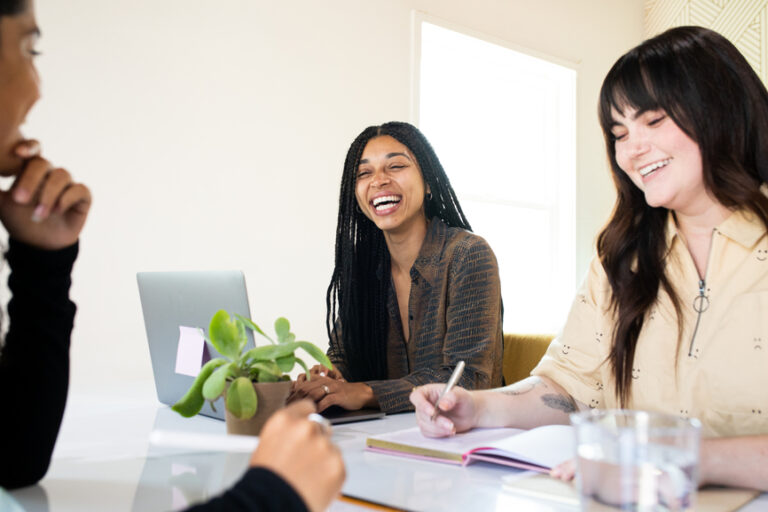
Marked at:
<point>213,135</point>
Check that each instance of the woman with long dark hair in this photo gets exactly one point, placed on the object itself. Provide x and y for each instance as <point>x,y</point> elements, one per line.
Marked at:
<point>413,291</point>
<point>673,315</point>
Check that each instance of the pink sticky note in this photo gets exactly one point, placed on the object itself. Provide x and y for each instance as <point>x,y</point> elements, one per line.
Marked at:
<point>190,352</point>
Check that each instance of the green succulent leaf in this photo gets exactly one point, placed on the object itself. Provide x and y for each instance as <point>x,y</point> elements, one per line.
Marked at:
<point>269,352</point>
<point>289,338</point>
<point>304,365</point>
<point>268,371</point>
<point>215,384</point>
<point>241,398</point>
<point>268,377</point>
<point>282,328</point>
<point>225,334</point>
<point>286,363</point>
<point>316,353</point>
<point>242,339</point>
<point>192,401</point>
<point>249,323</point>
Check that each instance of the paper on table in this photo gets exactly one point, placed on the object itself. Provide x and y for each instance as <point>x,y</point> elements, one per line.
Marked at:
<point>204,442</point>
<point>190,353</point>
<point>543,487</point>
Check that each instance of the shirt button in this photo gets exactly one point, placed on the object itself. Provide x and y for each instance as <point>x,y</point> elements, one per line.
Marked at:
<point>410,317</point>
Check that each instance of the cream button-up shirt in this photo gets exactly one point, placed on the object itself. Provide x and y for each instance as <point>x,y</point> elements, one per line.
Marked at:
<point>717,371</point>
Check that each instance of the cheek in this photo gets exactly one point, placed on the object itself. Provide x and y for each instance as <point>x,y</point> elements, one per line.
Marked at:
<point>360,196</point>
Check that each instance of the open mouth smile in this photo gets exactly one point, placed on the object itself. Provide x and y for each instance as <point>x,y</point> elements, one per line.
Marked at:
<point>647,170</point>
<point>384,205</point>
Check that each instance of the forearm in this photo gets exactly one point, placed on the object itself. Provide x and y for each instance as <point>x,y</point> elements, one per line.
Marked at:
<point>392,395</point>
<point>529,403</point>
<point>34,366</point>
<point>735,462</point>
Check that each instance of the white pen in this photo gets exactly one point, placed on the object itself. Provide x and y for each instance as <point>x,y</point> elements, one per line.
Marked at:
<point>451,382</point>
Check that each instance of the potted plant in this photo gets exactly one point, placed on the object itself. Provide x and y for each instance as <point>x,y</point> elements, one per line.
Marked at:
<point>254,382</point>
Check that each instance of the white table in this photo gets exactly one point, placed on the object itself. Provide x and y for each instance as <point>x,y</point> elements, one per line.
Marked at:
<point>103,461</point>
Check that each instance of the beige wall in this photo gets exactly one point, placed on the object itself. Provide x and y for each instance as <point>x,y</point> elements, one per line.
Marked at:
<point>744,22</point>
<point>213,137</point>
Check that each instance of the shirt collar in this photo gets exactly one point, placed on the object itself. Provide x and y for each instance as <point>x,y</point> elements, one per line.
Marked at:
<point>427,264</point>
<point>742,226</point>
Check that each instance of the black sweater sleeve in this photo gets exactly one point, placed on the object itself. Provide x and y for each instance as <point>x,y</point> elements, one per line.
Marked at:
<point>34,363</point>
<point>259,490</point>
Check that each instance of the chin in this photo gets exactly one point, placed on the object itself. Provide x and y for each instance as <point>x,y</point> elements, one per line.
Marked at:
<point>654,201</point>
<point>10,165</point>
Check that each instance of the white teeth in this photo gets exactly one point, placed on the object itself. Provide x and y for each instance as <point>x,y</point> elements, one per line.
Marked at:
<point>385,199</point>
<point>648,169</point>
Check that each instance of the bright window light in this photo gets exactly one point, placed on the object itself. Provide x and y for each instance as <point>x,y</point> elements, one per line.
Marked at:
<point>503,124</point>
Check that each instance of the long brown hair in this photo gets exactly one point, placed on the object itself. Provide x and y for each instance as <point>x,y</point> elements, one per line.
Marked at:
<point>710,91</point>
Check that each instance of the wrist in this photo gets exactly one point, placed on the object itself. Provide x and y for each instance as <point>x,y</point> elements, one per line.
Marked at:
<point>705,462</point>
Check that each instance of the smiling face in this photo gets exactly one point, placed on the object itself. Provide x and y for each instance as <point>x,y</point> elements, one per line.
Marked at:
<point>389,186</point>
<point>19,82</point>
<point>660,159</point>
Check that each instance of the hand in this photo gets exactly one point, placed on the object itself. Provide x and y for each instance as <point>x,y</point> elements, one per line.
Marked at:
<point>297,449</point>
<point>43,207</point>
<point>564,471</point>
<point>320,371</point>
<point>326,391</point>
<point>458,410</point>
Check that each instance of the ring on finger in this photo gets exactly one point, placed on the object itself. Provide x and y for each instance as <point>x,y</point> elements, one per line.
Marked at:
<point>326,389</point>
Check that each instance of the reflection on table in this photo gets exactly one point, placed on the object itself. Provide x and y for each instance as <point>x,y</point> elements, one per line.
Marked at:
<point>103,461</point>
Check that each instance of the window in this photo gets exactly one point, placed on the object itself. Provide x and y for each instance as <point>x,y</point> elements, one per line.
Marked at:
<point>503,124</point>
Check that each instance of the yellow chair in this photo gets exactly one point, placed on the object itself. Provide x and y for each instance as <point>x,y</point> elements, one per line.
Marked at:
<point>521,354</point>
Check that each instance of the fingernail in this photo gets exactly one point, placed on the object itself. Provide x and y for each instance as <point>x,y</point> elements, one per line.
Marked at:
<point>555,473</point>
<point>21,195</point>
<point>37,215</point>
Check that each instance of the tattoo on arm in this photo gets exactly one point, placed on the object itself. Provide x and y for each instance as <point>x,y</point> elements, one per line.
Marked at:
<point>522,387</point>
<point>563,403</point>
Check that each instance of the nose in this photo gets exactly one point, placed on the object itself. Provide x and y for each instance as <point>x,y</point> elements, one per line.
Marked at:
<point>637,145</point>
<point>380,178</point>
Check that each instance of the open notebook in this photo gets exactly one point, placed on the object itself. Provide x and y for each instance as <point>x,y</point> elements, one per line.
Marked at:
<point>538,449</point>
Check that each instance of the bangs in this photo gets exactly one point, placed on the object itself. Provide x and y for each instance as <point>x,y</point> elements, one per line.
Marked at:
<point>647,79</point>
<point>627,85</point>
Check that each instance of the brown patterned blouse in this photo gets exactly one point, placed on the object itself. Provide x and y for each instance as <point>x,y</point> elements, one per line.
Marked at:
<point>455,314</point>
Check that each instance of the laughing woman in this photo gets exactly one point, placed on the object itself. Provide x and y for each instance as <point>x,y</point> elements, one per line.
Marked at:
<point>413,291</point>
<point>679,286</point>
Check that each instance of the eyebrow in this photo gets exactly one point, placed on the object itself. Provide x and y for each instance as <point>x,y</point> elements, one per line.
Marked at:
<point>389,155</point>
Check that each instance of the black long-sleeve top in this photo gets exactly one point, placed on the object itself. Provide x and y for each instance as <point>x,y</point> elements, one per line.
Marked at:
<point>34,363</point>
<point>259,490</point>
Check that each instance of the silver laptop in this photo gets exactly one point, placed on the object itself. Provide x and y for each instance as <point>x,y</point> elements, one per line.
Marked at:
<point>175,304</point>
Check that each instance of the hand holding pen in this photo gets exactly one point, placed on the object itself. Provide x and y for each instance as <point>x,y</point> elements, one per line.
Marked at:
<point>454,410</point>
<point>451,382</point>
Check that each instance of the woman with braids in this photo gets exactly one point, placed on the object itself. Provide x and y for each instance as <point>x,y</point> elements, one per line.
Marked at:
<point>673,315</point>
<point>413,291</point>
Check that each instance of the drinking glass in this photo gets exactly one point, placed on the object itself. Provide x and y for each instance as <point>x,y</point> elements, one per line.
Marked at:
<point>636,460</point>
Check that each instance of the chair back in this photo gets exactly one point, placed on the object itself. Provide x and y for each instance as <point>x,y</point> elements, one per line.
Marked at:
<point>521,354</point>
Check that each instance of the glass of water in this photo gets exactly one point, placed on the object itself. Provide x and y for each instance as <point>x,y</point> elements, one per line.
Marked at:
<point>636,460</point>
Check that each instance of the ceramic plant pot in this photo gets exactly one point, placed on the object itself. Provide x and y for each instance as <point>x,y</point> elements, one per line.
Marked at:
<point>270,396</point>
